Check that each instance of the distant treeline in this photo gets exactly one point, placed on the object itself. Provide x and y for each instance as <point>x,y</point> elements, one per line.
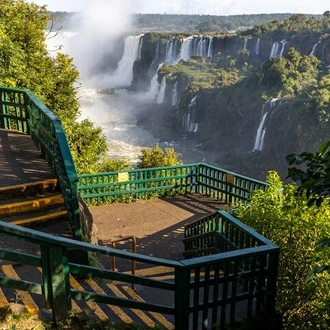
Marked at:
<point>180,23</point>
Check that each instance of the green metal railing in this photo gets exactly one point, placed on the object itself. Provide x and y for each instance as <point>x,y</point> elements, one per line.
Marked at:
<point>207,291</point>
<point>231,271</point>
<point>22,111</point>
<point>163,181</point>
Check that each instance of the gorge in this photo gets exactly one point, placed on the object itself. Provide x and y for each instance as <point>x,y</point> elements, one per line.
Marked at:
<point>223,98</point>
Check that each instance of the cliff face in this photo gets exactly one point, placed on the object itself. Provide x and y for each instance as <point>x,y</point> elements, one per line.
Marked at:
<point>226,120</point>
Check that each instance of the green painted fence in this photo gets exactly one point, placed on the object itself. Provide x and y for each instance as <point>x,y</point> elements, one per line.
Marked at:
<point>22,111</point>
<point>229,272</point>
<point>208,292</point>
<point>166,181</point>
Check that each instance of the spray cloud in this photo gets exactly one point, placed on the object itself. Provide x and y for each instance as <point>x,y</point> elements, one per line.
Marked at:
<point>97,34</point>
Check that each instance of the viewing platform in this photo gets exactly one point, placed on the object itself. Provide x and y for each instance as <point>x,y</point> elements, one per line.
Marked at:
<point>176,260</point>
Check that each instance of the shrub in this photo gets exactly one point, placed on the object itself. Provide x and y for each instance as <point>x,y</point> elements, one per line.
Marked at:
<point>282,216</point>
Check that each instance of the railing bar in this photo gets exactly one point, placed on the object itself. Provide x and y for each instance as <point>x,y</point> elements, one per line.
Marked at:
<point>196,281</point>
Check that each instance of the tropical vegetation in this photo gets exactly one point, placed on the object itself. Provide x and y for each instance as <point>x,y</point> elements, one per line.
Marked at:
<point>286,219</point>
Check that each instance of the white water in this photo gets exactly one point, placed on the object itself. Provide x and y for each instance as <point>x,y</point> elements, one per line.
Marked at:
<point>161,92</point>
<point>314,48</point>
<point>277,49</point>
<point>257,49</point>
<point>116,113</point>
<point>259,140</point>
<point>245,43</point>
<point>174,94</point>
<point>189,122</point>
<point>123,76</point>
<point>267,108</point>
<point>210,48</point>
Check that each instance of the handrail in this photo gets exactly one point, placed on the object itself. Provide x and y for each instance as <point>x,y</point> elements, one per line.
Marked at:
<point>23,111</point>
<point>168,180</point>
<point>192,275</point>
<point>113,258</point>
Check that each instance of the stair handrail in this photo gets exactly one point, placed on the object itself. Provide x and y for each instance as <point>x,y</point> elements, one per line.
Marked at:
<point>21,110</point>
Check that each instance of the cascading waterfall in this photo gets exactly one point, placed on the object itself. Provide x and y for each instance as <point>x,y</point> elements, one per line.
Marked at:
<point>314,48</point>
<point>261,132</point>
<point>276,50</point>
<point>175,94</point>
<point>170,53</point>
<point>161,92</point>
<point>267,108</point>
<point>189,123</point>
<point>201,47</point>
<point>132,52</point>
<point>257,49</point>
<point>154,85</point>
<point>210,48</point>
<point>245,43</point>
<point>185,52</point>
<point>283,42</point>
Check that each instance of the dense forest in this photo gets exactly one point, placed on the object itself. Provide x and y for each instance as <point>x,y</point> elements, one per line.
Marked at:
<point>179,23</point>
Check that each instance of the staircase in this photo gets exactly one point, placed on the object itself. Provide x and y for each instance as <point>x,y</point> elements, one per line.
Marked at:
<point>22,301</point>
<point>32,203</point>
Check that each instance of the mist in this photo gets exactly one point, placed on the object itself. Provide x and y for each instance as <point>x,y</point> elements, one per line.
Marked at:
<point>96,44</point>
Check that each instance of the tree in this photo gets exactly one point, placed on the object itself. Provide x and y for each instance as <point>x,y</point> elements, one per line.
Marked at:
<point>25,63</point>
<point>312,173</point>
<point>157,158</point>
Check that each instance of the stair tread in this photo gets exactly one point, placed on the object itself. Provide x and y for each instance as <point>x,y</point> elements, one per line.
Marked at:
<point>26,204</point>
<point>35,217</point>
<point>28,189</point>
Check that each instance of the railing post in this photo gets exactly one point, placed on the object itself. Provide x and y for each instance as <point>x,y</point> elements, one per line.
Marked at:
<point>181,298</point>
<point>55,270</point>
<point>271,282</point>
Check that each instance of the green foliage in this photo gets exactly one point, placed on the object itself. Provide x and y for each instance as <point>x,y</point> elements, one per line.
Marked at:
<point>113,165</point>
<point>289,76</point>
<point>87,144</point>
<point>156,157</point>
<point>25,63</point>
<point>285,218</point>
<point>312,172</point>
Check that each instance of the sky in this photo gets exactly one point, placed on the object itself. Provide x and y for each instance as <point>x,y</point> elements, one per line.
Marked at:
<point>211,7</point>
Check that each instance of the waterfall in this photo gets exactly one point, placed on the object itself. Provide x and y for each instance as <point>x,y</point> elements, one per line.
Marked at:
<point>175,94</point>
<point>154,85</point>
<point>283,42</point>
<point>185,51</point>
<point>276,51</point>
<point>169,54</point>
<point>161,92</point>
<point>189,121</point>
<point>259,140</point>
<point>245,43</point>
<point>314,48</point>
<point>210,48</point>
<point>257,49</point>
<point>201,47</point>
<point>132,52</point>
<point>267,107</point>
